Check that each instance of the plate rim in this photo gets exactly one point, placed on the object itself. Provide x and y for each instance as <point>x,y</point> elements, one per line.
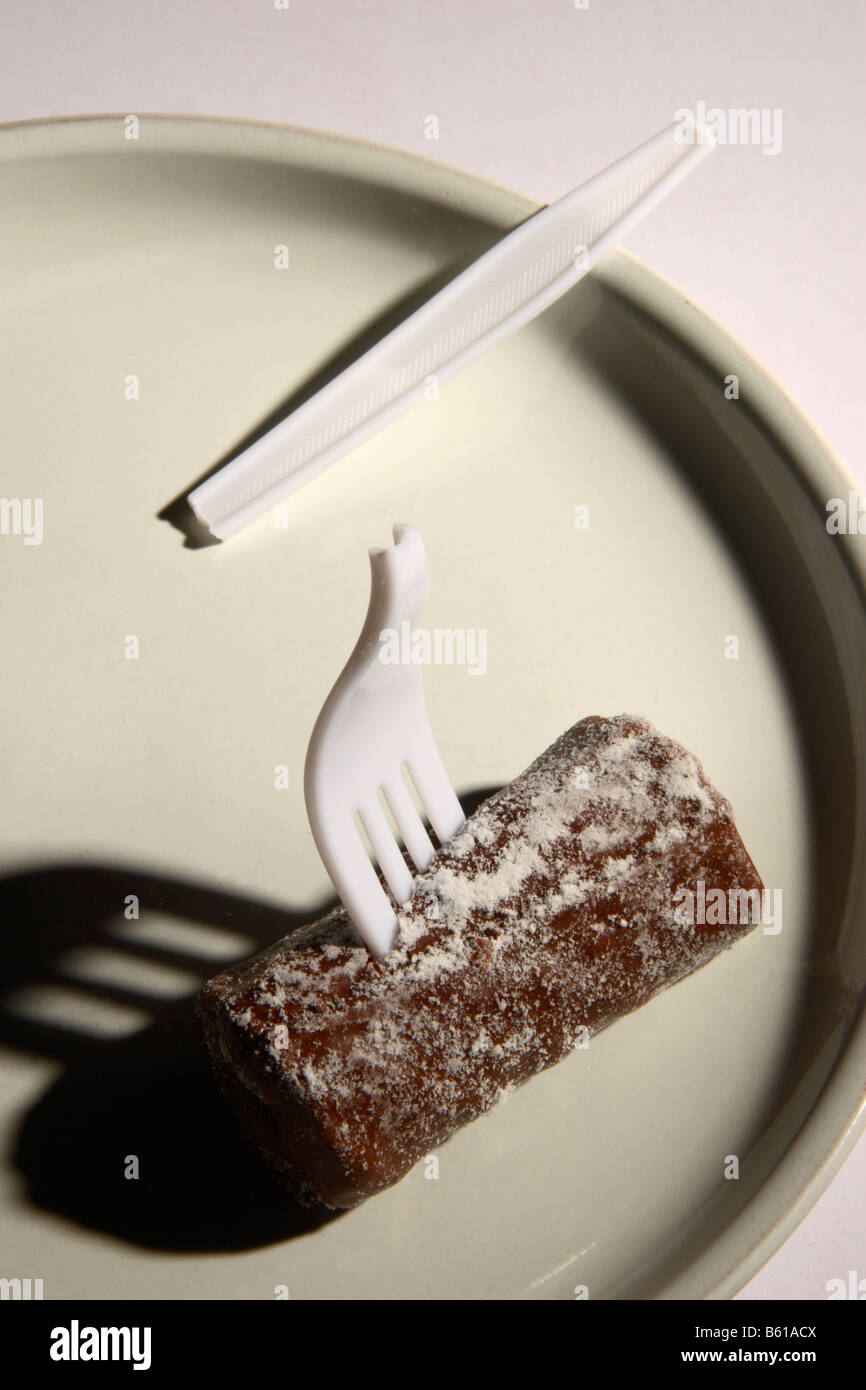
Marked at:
<point>838,1117</point>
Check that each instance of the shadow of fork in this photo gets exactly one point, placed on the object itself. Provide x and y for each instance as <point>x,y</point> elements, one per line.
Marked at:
<point>148,1093</point>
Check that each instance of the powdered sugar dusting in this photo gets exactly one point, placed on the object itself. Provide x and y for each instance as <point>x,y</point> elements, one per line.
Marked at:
<point>547,914</point>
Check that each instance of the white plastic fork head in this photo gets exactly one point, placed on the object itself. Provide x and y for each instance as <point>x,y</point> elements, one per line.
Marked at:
<point>372,729</point>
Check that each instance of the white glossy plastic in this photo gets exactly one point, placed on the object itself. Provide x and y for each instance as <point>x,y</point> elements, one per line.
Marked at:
<point>506,287</point>
<point>372,725</point>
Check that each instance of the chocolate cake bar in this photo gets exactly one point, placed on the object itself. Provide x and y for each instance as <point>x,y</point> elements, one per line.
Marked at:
<point>551,913</point>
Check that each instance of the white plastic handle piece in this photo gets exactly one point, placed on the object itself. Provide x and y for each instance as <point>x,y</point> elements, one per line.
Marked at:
<point>506,287</point>
<point>372,726</point>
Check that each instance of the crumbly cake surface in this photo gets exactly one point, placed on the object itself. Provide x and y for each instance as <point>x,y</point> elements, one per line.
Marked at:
<point>549,913</point>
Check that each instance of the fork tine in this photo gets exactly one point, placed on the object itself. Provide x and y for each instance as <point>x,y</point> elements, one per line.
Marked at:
<point>386,850</point>
<point>436,792</point>
<point>409,823</point>
<point>347,860</point>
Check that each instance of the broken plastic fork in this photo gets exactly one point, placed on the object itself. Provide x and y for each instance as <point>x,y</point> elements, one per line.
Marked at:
<point>372,725</point>
<point>505,288</point>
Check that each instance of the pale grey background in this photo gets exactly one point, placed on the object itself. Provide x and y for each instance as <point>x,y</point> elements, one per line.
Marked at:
<point>537,95</point>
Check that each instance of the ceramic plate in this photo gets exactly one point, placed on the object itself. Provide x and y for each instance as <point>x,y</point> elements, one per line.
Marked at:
<point>629,528</point>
